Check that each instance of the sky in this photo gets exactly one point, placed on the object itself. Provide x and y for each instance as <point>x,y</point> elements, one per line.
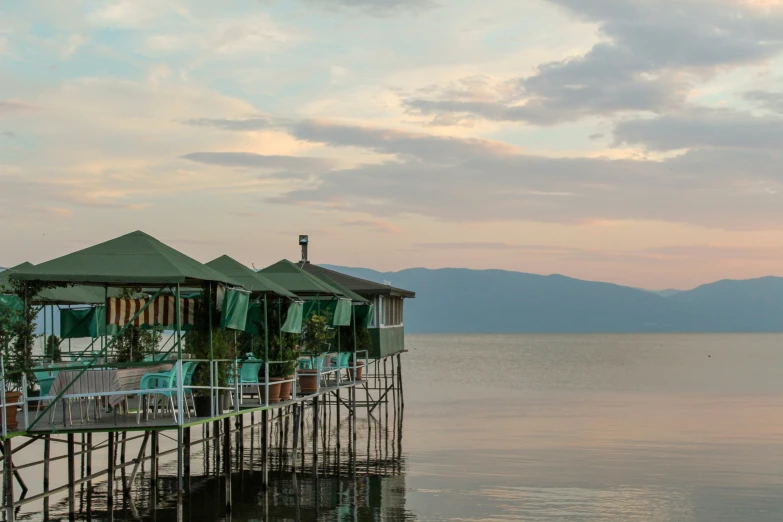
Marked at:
<point>630,141</point>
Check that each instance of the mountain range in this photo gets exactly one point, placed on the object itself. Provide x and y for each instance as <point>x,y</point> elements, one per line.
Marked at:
<point>460,300</point>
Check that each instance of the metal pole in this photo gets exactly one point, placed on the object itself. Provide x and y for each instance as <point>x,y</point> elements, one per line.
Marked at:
<point>315,435</point>
<point>266,352</point>
<point>212,369</point>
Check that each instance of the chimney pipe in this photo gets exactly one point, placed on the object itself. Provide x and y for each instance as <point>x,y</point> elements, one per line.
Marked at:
<point>303,240</point>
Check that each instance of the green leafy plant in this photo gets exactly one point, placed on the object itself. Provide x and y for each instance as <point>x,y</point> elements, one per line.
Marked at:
<point>197,342</point>
<point>53,347</point>
<point>316,333</point>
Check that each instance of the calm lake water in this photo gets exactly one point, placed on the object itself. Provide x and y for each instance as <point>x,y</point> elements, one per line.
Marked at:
<point>660,428</point>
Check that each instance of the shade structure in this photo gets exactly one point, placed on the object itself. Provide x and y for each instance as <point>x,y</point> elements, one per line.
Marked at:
<point>130,260</point>
<point>294,279</point>
<point>253,281</point>
<point>357,284</point>
<point>67,295</point>
<point>350,294</point>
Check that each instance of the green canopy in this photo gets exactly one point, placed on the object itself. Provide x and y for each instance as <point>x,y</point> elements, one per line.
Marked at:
<point>291,277</point>
<point>250,279</point>
<point>75,294</point>
<point>131,260</point>
<point>350,294</point>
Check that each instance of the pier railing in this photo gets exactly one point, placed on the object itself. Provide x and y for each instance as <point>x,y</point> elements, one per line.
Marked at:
<point>109,387</point>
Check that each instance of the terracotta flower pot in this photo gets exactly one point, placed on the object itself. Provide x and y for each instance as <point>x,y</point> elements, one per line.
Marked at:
<point>285,388</point>
<point>359,368</point>
<point>308,381</point>
<point>10,411</point>
<point>274,390</point>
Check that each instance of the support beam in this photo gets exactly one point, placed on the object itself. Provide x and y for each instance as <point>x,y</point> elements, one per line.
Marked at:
<point>264,449</point>
<point>47,449</point>
<point>137,462</point>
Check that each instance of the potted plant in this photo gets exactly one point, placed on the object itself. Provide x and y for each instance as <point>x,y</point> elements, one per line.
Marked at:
<point>315,336</point>
<point>285,367</point>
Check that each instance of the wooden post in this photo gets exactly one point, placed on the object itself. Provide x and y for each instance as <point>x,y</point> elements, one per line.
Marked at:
<point>8,480</point>
<point>71,477</point>
<point>295,442</point>
<point>154,462</point>
<point>47,448</point>
<point>399,380</point>
<point>110,485</point>
<point>315,435</point>
<point>88,461</point>
<point>180,466</point>
<point>187,453</point>
<point>227,460</point>
<point>264,448</point>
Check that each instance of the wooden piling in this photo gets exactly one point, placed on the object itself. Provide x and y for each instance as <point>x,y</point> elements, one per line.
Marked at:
<point>264,448</point>
<point>227,460</point>
<point>47,449</point>
<point>110,485</point>
<point>71,478</point>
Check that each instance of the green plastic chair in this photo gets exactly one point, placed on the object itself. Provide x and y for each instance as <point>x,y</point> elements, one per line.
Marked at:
<point>155,384</point>
<point>248,376</point>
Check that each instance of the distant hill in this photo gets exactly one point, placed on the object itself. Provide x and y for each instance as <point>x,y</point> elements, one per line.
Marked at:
<point>488,301</point>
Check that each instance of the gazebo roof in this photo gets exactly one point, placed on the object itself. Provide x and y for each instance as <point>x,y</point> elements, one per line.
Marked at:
<point>130,260</point>
<point>253,281</point>
<point>291,277</point>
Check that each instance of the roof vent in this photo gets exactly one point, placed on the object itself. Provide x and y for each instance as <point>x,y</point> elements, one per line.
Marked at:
<point>303,240</point>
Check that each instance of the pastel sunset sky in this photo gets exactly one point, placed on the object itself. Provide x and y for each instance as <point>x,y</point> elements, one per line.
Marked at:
<point>631,141</point>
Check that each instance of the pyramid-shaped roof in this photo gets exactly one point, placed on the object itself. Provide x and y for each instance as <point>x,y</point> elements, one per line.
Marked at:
<point>67,295</point>
<point>133,259</point>
<point>250,279</point>
<point>356,284</point>
<point>291,277</point>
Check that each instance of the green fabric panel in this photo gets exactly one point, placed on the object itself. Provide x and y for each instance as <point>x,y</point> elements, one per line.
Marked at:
<point>293,321</point>
<point>132,259</point>
<point>342,313</point>
<point>85,322</point>
<point>364,314</point>
<point>79,323</point>
<point>255,319</point>
<point>235,306</point>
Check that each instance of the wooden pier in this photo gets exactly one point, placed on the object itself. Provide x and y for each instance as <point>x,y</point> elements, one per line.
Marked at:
<point>117,450</point>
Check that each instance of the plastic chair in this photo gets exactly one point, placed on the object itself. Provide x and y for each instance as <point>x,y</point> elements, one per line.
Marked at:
<point>155,384</point>
<point>248,376</point>
<point>45,379</point>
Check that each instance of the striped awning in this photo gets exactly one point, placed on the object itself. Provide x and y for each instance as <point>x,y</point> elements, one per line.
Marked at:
<point>161,311</point>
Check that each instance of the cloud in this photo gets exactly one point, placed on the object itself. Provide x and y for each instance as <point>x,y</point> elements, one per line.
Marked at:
<point>377,7</point>
<point>13,107</point>
<point>247,124</point>
<point>258,161</point>
<point>652,54</point>
<point>701,127</point>
<point>378,225</point>
<point>772,101</point>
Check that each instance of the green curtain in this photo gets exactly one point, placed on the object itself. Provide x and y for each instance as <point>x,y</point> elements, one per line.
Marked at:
<point>293,320</point>
<point>364,314</point>
<point>342,313</point>
<point>85,322</point>
<point>254,325</point>
<point>235,307</point>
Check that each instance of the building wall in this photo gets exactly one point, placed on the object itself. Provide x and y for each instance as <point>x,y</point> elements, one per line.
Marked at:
<point>387,341</point>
